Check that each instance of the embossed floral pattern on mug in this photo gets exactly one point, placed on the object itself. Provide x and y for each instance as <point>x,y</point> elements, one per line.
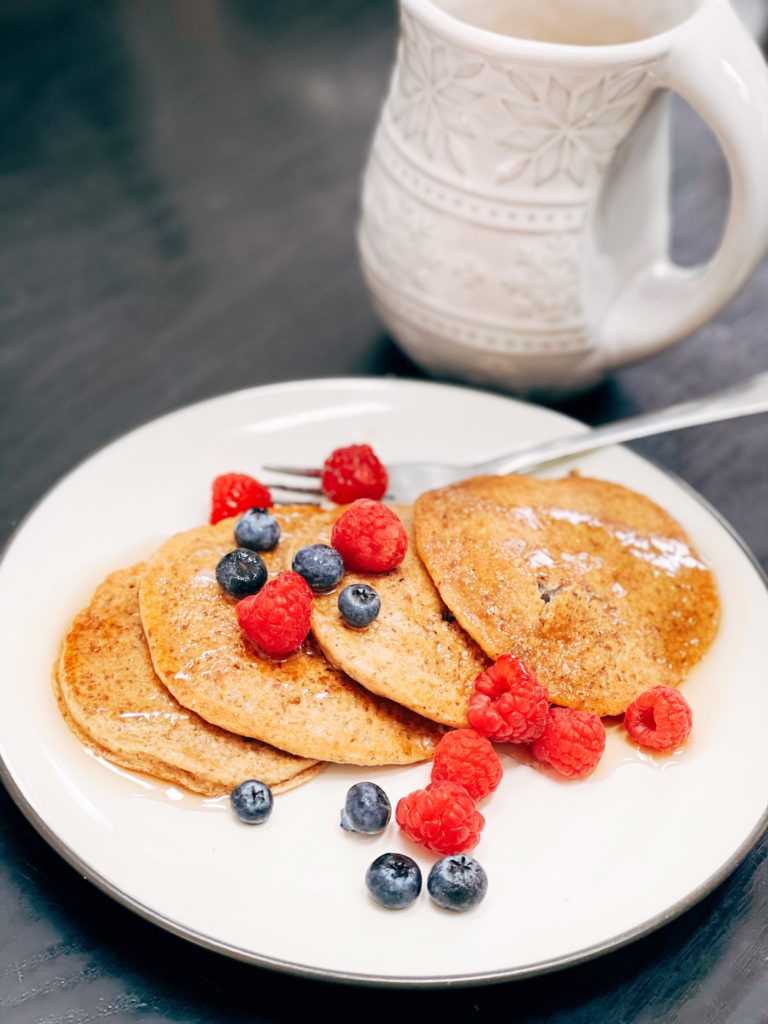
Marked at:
<point>561,127</point>
<point>567,130</point>
<point>435,88</point>
<point>543,280</point>
<point>403,233</point>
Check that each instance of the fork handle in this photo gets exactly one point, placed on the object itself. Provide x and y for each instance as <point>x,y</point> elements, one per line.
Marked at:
<point>744,399</point>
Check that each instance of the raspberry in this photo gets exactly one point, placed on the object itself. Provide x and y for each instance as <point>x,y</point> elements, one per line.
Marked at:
<point>354,472</point>
<point>469,760</point>
<point>235,492</point>
<point>369,537</point>
<point>659,718</point>
<point>573,741</point>
<point>442,817</point>
<point>509,705</point>
<point>277,618</point>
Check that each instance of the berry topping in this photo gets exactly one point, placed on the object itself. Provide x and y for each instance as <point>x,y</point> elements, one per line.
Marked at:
<point>240,573</point>
<point>367,809</point>
<point>573,741</point>
<point>320,565</point>
<point>257,530</point>
<point>509,705</point>
<point>442,817</point>
<point>235,492</point>
<point>457,883</point>
<point>469,760</point>
<point>359,605</point>
<point>659,718</point>
<point>369,537</point>
<point>353,472</point>
<point>277,618</point>
<point>251,801</point>
<point>394,880</point>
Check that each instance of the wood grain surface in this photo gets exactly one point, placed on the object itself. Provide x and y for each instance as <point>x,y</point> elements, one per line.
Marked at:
<point>178,193</point>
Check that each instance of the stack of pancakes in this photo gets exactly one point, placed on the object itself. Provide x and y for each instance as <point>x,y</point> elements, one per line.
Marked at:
<point>597,588</point>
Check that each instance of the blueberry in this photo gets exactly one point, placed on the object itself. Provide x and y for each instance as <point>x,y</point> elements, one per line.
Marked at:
<point>241,573</point>
<point>252,801</point>
<point>359,605</point>
<point>394,880</point>
<point>257,530</point>
<point>457,882</point>
<point>321,566</point>
<point>367,809</point>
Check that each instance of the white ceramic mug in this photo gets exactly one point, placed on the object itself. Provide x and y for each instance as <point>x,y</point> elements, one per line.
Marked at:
<point>515,214</point>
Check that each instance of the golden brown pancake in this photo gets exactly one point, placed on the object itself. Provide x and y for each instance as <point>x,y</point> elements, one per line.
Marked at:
<point>593,585</point>
<point>114,703</point>
<point>299,703</point>
<point>414,652</point>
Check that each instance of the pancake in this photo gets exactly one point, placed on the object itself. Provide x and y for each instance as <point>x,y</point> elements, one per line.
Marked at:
<point>593,585</point>
<point>414,652</point>
<point>114,703</point>
<point>299,703</point>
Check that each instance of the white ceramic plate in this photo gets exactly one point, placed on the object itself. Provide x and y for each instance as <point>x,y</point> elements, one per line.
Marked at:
<point>575,868</point>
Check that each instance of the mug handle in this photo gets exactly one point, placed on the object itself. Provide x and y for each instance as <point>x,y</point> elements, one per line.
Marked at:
<point>716,66</point>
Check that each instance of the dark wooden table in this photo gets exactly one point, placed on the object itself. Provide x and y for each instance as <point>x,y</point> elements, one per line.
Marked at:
<point>178,194</point>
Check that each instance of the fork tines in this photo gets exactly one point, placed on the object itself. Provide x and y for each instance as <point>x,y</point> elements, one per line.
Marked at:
<point>283,488</point>
<point>293,471</point>
<point>292,488</point>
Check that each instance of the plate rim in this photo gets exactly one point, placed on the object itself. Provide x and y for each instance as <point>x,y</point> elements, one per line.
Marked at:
<point>359,978</point>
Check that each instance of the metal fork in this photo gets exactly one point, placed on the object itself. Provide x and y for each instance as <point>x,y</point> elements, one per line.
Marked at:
<point>408,480</point>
